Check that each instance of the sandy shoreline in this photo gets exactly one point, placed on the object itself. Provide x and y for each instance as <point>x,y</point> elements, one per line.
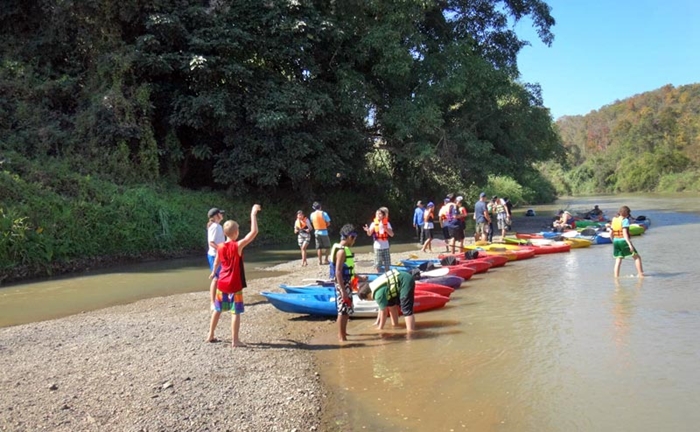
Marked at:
<point>145,366</point>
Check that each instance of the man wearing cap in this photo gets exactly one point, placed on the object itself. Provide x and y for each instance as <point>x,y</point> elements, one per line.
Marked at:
<point>215,236</point>
<point>482,218</point>
<point>418,221</point>
<point>321,221</point>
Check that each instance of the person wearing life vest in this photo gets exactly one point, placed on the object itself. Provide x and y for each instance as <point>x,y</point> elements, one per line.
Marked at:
<point>320,222</point>
<point>428,226</point>
<point>502,216</point>
<point>456,214</point>
<point>442,217</point>
<point>391,290</point>
<point>622,244</point>
<point>342,271</point>
<point>302,228</point>
<point>380,230</point>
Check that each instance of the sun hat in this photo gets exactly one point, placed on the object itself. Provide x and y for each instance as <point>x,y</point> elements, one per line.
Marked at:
<point>214,211</point>
<point>447,200</point>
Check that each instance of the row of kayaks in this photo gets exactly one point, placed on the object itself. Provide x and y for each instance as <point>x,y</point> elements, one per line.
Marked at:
<point>433,289</point>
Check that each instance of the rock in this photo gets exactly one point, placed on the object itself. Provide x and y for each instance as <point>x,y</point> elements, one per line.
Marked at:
<point>53,386</point>
<point>167,385</point>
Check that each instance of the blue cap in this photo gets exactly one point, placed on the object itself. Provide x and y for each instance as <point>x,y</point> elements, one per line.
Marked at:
<point>447,200</point>
<point>482,194</point>
<point>430,204</point>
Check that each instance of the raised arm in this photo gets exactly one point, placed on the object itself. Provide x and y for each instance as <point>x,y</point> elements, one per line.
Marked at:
<point>253,229</point>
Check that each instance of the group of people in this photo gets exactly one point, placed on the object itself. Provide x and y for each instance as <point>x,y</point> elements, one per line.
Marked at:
<point>452,219</point>
<point>392,289</point>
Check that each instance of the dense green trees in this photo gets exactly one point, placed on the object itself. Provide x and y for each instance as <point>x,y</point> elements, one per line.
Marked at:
<point>648,142</point>
<point>297,98</point>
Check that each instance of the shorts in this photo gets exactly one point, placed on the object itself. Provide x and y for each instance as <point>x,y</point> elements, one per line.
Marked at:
<point>303,238</point>
<point>622,250</point>
<point>428,233</point>
<point>405,302</point>
<point>342,308</point>
<point>445,233</point>
<point>456,233</point>
<point>482,228</point>
<point>323,242</point>
<point>229,302</point>
<point>211,259</point>
<point>502,224</point>
<point>382,258</point>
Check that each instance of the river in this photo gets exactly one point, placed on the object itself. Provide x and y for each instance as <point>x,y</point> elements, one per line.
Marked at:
<point>548,344</point>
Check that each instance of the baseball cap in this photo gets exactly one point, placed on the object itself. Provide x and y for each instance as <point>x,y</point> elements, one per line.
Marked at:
<point>447,200</point>
<point>482,194</point>
<point>316,205</point>
<point>459,198</point>
<point>430,204</point>
<point>495,196</point>
<point>214,211</point>
<point>419,202</point>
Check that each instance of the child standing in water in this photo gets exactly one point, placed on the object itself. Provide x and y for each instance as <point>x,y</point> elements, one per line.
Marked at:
<point>231,279</point>
<point>622,245</point>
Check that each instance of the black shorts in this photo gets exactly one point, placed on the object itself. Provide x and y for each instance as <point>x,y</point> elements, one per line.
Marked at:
<point>445,233</point>
<point>428,233</point>
<point>407,301</point>
<point>457,233</point>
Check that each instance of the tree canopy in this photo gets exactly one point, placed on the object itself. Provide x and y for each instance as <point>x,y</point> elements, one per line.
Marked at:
<point>292,95</point>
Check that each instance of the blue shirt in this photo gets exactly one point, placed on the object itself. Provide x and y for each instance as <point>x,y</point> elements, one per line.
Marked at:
<point>479,209</point>
<point>418,216</point>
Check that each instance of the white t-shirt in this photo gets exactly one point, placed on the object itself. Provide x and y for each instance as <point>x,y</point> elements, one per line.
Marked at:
<point>382,244</point>
<point>215,234</point>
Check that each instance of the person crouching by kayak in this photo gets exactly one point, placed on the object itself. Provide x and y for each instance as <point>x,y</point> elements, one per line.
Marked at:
<point>342,271</point>
<point>391,290</point>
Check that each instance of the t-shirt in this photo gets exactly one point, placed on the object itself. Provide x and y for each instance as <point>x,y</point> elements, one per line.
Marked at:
<point>232,274</point>
<point>215,234</point>
<point>479,209</point>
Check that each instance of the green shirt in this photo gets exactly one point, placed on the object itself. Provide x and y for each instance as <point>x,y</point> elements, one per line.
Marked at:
<point>398,285</point>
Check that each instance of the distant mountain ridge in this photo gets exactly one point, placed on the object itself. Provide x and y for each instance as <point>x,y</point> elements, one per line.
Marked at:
<point>647,142</point>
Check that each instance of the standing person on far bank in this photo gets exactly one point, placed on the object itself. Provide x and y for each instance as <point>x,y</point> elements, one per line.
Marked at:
<point>321,221</point>
<point>418,221</point>
<point>215,237</point>
<point>622,244</point>
<point>442,217</point>
<point>482,218</point>
<point>380,230</point>
<point>428,226</point>
<point>302,228</point>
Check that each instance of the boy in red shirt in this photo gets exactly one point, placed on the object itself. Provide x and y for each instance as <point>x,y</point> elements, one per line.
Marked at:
<point>231,278</point>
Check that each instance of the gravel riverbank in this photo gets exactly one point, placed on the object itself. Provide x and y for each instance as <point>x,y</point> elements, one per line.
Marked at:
<point>145,366</point>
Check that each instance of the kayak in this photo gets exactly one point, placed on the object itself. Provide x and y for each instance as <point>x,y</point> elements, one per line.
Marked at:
<point>324,304</point>
<point>495,260</point>
<point>442,290</point>
<point>519,252</point>
<point>456,270</point>
<point>553,247</point>
<point>577,242</point>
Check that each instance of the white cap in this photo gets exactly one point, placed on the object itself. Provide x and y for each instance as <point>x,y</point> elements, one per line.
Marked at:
<point>459,198</point>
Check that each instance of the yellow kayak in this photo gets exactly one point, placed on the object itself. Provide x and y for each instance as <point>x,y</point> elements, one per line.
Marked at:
<point>577,243</point>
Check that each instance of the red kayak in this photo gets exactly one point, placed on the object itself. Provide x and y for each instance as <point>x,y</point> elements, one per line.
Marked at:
<point>434,288</point>
<point>479,265</point>
<point>495,260</point>
<point>461,271</point>
<point>424,301</point>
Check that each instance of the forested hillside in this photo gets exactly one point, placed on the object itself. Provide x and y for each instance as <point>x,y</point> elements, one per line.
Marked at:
<point>112,105</point>
<point>648,142</point>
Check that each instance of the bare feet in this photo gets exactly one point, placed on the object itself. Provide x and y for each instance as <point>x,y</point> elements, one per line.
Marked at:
<point>238,344</point>
<point>213,340</point>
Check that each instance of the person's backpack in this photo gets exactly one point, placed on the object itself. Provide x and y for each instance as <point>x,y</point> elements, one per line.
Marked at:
<point>448,261</point>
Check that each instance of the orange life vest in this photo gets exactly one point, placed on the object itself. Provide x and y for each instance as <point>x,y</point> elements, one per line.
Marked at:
<point>380,235</point>
<point>318,221</point>
<point>300,224</point>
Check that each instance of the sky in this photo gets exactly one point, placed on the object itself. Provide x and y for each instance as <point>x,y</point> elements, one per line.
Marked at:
<point>608,50</point>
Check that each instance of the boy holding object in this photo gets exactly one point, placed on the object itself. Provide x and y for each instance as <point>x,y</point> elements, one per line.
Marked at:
<point>231,279</point>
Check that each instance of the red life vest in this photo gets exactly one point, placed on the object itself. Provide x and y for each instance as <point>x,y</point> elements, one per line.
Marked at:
<point>232,274</point>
